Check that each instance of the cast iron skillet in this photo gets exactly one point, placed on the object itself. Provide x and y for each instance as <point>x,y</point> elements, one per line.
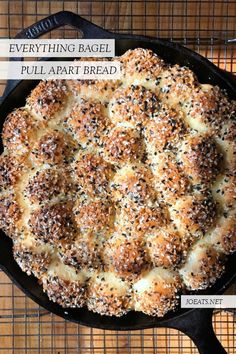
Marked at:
<point>196,323</point>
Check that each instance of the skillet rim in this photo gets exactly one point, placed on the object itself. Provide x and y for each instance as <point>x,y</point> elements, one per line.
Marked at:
<point>149,321</point>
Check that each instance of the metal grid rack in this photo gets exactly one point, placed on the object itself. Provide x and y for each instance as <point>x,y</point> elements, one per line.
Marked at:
<point>27,328</point>
<point>206,26</point>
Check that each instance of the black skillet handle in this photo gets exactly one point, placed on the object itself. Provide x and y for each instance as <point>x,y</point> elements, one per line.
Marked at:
<point>62,18</point>
<point>197,325</point>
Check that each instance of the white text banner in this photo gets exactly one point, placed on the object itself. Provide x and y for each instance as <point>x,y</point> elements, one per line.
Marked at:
<point>72,48</point>
<point>75,70</point>
<point>208,301</point>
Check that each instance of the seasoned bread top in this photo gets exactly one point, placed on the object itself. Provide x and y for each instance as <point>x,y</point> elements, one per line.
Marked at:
<point>120,194</point>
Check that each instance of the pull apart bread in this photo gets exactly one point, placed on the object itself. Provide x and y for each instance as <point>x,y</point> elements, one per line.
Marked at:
<point>119,195</point>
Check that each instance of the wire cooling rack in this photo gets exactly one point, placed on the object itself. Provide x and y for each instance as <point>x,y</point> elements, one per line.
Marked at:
<point>27,328</point>
<point>208,27</point>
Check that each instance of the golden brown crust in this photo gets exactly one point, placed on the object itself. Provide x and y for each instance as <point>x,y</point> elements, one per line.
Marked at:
<point>48,98</point>
<point>10,170</point>
<point>155,293</point>
<point>32,261</point>
<point>201,159</point>
<point>10,214</point>
<point>109,295</point>
<point>169,180</point>
<point>208,107</point>
<point>202,268</point>
<point>194,214</point>
<point>52,223</point>
<point>126,256</point>
<point>141,63</point>
<point>87,122</point>
<point>140,218</point>
<point>225,191</point>
<point>82,253</point>
<point>133,105</point>
<point>53,147</point>
<point>176,84</point>
<point>164,130</point>
<point>132,182</point>
<point>120,193</point>
<point>228,236</point>
<point>66,293</point>
<point>48,184</point>
<point>92,174</point>
<point>96,215</point>
<point>19,131</point>
<point>123,145</point>
<point>223,237</point>
<point>228,131</point>
<point>166,247</point>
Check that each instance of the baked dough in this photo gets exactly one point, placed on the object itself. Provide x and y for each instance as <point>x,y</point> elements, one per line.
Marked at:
<point>118,195</point>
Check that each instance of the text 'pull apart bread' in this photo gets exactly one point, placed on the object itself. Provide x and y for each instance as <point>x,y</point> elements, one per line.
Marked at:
<point>120,194</point>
